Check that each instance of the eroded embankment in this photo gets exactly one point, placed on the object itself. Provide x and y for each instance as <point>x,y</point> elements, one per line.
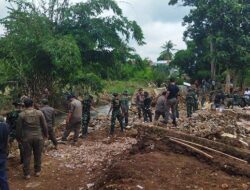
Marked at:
<point>156,162</point>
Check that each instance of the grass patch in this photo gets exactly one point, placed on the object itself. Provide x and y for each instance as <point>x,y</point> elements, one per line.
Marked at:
<point>120,86</point>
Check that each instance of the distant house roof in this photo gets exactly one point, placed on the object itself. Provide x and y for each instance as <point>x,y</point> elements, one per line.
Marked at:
<point>165,62</point>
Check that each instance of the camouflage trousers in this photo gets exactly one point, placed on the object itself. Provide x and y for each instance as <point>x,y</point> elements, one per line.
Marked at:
<point>85,123</point>
<point>190,108</point>
<point>147,114</point>
<point>11,140</point>
<point>116,114</point>
<point>195,106</point>
<point>203,101</point>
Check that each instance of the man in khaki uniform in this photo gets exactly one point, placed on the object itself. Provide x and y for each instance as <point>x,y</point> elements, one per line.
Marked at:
<point>31,131</point>
<point>74,119</point>
<point>49,114</point>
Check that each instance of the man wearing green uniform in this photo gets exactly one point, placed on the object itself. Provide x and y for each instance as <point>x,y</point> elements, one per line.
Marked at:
<point>196,100</point>
<point>190,102</point>
<point>11,120</point>
<point>116,112</point>
<point>87,106</point>
<point>125,106</point>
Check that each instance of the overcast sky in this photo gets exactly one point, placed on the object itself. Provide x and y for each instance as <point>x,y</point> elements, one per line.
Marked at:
<point>158,21</point>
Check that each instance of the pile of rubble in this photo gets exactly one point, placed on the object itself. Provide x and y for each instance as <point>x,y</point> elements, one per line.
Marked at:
<point>226,126</point>
<point>92,154</point>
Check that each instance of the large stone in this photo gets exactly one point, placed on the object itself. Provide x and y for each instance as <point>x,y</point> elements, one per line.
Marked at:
<point>33,185</point>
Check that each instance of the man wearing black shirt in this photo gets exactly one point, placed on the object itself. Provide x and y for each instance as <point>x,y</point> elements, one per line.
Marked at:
<point>4,132</point>
<point>173,91</point>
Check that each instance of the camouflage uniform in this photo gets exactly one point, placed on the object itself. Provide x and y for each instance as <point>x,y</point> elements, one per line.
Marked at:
<point>190,102</point>
<point>116,113</point>
<point>87,102</point>
<point>146,108</point>
<point>196,101</point>
<point>12,122</point>
<point>125,107</point>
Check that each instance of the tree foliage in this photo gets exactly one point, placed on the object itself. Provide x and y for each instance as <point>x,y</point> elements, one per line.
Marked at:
<point>167,53</point>
<point>220,33</point>
<point>55,43</point>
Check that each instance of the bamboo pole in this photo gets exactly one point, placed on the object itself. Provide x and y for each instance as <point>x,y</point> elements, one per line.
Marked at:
<point>211,149</point>
<point>192,148</point>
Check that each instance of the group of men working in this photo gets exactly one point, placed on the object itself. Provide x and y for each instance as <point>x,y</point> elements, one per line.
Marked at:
<point>30,126</point>
<point>216,96</point>
<point>166,103</point>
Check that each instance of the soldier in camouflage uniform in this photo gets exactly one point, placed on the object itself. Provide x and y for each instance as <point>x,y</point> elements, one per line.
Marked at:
<point>87,106</point>
<point>125,106</point>
<point>147,107</point>
<point>12,122</point>
<point>190,102</point>
<point>116,112</point>
<point>196,100</point>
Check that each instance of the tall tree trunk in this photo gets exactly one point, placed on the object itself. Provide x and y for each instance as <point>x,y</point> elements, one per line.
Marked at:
<point>212,61</point>
<point>228,81</point>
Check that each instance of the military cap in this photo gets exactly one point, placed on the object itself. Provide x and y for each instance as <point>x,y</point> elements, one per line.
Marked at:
<point>146,93</point>
<point>125,92</point>
<point>28,102</point>
<point>115,94</point>
<point>17,103</point>
<point>45,101</point>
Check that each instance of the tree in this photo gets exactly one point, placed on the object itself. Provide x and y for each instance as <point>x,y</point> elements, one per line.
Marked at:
<point>167,54</point>
<point>220,32</point>
<point>161,74</point>
<point>53,44</point>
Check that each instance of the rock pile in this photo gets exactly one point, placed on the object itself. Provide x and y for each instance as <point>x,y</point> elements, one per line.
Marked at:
<point>225,126</point>
<point>92,154</point>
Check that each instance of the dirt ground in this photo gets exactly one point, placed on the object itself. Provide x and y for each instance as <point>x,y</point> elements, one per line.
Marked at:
<point>122,167</point>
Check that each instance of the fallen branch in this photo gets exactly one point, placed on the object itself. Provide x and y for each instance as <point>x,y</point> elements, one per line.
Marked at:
<point>211,149</point>
<point>163,132</point>
<point>192,148</point>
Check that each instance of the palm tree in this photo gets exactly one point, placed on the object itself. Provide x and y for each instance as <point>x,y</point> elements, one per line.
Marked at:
<point>166,54</point>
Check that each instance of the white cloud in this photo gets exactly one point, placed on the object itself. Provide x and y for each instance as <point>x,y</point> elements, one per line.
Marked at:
<point>156,34</point>
<point>159,22</point>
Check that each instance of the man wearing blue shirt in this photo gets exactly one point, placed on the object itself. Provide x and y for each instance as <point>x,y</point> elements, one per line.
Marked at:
<point>4,132</point>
